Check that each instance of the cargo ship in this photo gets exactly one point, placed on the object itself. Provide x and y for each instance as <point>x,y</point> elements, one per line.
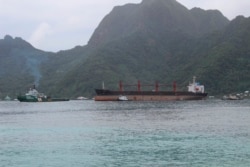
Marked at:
<point>34,96</point>
<point>195,92</point>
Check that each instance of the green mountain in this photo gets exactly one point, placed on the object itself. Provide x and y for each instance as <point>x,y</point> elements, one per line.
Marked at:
<point>156,16</point>
<point>148,42</point>
<point>156,40</point>
<point>225,62</point>
<point>20,65</point>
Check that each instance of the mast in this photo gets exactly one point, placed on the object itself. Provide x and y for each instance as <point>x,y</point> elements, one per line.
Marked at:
<point>120,86</point>
<point>194,79</point>
<point>174,86</point>
<point>156,86</point>
<point>103,86</point>
<point>139,86</point>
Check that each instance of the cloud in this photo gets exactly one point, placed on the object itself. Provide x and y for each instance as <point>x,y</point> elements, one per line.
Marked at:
<point>40,33</point>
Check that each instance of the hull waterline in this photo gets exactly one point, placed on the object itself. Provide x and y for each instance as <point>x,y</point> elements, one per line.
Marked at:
<point>26,98</point>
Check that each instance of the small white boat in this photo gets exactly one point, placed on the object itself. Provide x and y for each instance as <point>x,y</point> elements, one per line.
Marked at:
<point>122,98</point>
<point>232,97</point>
<point>7,98</point>
<point>81,98</point>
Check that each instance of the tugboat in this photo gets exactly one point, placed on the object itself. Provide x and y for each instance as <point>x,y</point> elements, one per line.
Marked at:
<point>34,96</point>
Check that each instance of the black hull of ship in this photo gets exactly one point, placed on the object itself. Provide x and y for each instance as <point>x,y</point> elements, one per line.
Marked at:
<point>109,95</point>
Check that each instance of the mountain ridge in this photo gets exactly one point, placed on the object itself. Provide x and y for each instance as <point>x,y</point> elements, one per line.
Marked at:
<point>133,45</point>
<point>153,16</point>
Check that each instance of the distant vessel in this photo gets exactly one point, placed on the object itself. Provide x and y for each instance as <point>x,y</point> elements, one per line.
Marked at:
<point>122,98</point>
<point>233,97</point>
<point>34,96</point>
<point>81,98</point>
<point>7,98</point>
<point>195,92</point>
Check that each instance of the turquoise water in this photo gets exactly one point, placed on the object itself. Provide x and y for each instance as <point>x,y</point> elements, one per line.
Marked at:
<point>211,133</point>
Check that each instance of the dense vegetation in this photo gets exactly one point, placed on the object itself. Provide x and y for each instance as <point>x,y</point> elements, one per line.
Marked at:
<point>153,41</point>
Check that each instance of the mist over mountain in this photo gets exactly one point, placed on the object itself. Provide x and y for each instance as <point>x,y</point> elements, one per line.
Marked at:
<point>20,64</point>
<point>156,40</point>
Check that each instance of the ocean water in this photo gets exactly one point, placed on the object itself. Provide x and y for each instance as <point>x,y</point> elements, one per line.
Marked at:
<point>209,133</point>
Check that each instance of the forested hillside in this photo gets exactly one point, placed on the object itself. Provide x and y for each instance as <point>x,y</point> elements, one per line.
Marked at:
<point>155,40</point>
<point>20,65</point>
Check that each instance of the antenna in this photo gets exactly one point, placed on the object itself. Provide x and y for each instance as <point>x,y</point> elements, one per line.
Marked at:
<point>103,86</point>
<point>194,79</point>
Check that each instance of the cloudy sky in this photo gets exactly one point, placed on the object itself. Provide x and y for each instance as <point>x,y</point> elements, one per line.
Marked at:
<point>53,25</point>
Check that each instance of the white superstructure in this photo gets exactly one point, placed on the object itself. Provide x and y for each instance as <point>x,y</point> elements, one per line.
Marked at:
<point>35,93</point>
<point>195,87</point>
